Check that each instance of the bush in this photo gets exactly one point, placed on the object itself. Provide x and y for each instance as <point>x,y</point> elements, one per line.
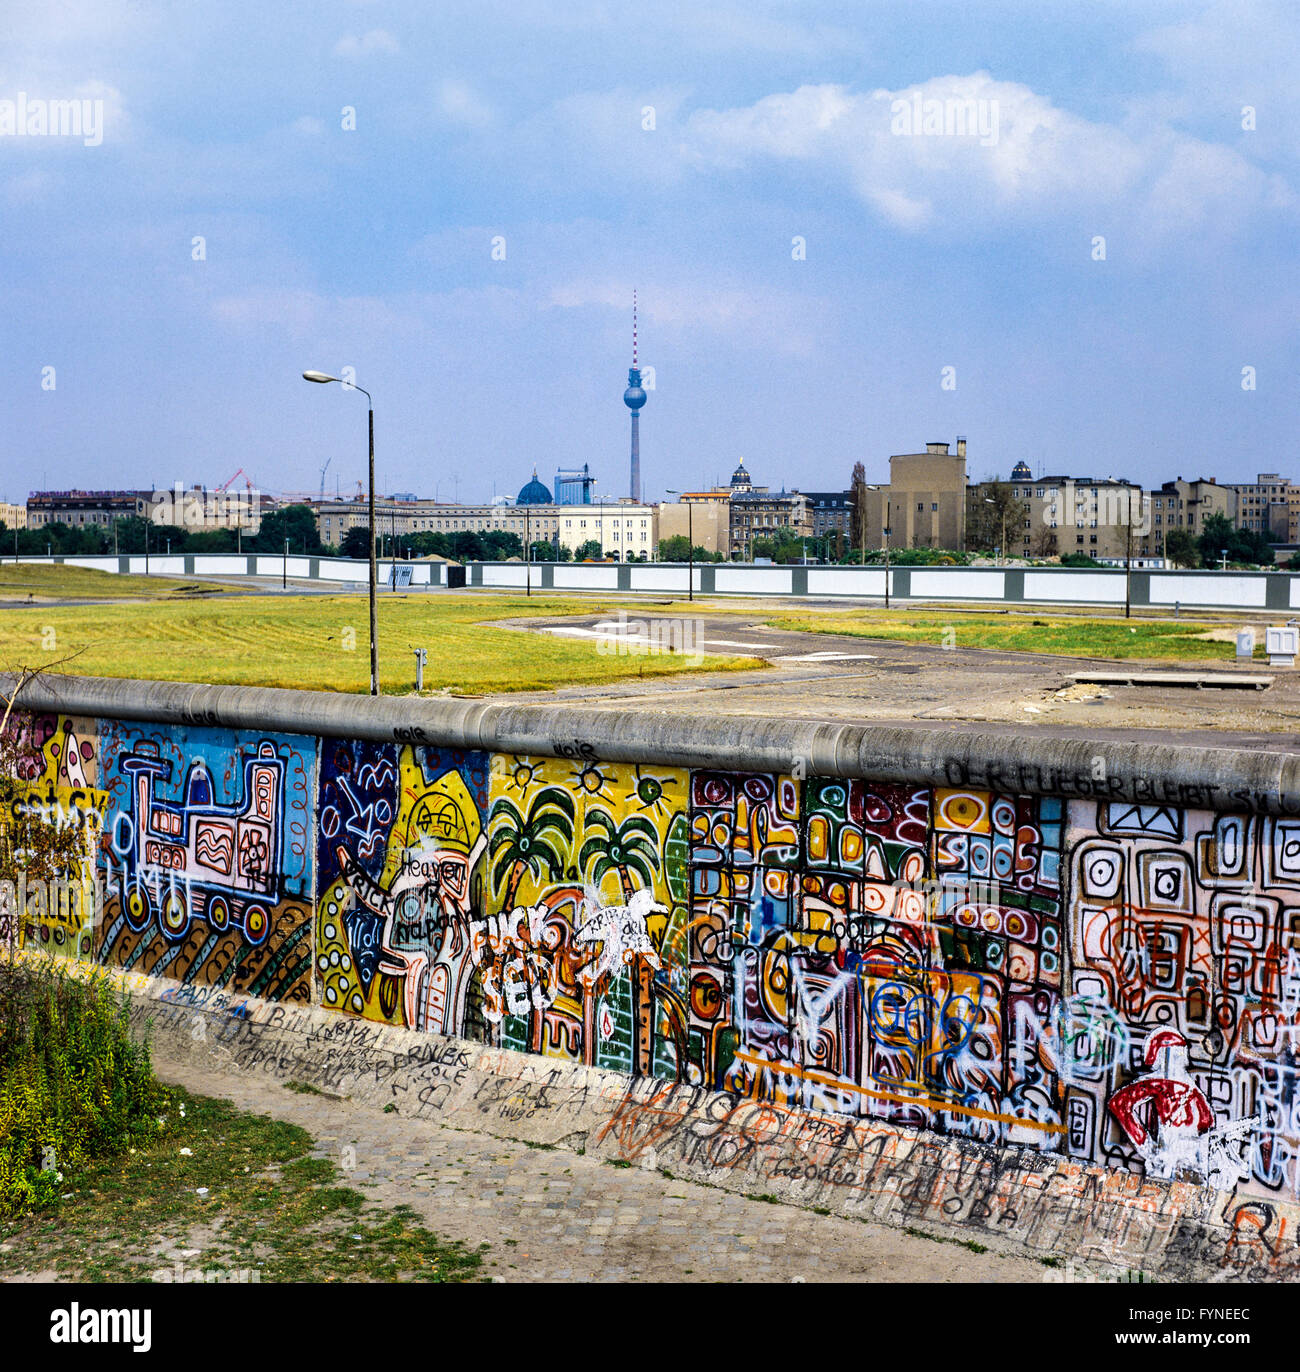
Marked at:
<point>74,1085</point>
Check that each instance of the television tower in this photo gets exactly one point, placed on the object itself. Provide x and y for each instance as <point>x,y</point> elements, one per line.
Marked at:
<point>634,398</point>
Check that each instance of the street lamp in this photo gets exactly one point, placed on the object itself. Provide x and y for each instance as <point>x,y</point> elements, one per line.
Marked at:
<point>284,572</point>
<point>1003,545</point>
<point>320,378</point>
<point>884,531</point>
<point>690,548</point>
<point>528,554</point>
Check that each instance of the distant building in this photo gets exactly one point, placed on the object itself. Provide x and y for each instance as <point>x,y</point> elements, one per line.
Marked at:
<point>707,522</point>
<point>575,487</point>
<point>622,528</point>
<point>1186,505</point>
<point>13,516</point>
<point>1071,514</point>
<point>757,512</point>
<point>924,505</point>
<point>1270,505</point>
<point>80,509</point>
<point>832,513</point>
<point>203,510</point>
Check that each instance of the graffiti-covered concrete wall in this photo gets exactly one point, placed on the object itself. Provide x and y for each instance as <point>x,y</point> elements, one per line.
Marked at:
<point>1080,961</point>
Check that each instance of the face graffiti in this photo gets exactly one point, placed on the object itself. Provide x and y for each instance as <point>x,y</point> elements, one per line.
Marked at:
<point>1111,982</point>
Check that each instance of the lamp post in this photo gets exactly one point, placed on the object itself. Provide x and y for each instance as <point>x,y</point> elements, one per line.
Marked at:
<point>284,571</point>
<point>1003,547</point>
<point>884,531</point>
<point>321,379</point>
<point>690,548</point>
<point>528,554</point>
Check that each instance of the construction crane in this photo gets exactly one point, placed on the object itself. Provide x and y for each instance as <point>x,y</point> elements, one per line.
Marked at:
<point>323,470</point>
<point>248,485</point>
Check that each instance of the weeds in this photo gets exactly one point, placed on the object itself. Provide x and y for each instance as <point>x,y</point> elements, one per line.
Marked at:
<point>74,1085</point>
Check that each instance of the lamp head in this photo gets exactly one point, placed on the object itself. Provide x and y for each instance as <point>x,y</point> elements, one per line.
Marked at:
<point>318,377</point>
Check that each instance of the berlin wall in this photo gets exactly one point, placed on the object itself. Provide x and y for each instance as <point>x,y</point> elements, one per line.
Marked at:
<point>1033,954</point>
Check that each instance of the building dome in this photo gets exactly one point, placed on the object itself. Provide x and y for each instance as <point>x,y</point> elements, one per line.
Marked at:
<point>740,477</point>
<point>534,493</point>
<point>1021,472</point>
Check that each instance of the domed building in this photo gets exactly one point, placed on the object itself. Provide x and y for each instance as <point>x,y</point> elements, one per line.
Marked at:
<point>1021,472</point>
<point>534,493</point>
<point>740,478</point>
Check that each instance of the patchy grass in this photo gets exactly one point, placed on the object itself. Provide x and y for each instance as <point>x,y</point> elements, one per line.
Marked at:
<point>270,1208</point>
<point>1066,635</point>
<point>74,1085</point>
<point>58,581</point>
<point>941,1238</point>
<point>303,641</point>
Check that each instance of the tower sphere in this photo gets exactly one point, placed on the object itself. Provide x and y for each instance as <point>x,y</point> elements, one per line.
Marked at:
<point>634,396</point>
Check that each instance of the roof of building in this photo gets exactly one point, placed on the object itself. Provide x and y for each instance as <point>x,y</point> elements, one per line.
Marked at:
<point>534,493</point>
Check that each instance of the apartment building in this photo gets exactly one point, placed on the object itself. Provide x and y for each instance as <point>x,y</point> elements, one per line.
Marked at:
<point>1269,505</point>
<point>620,527</point>
<point>1180,504</point>
<point>82,509</point>
<point>1068,514</point>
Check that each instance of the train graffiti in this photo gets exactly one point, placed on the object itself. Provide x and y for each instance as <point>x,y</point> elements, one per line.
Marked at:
<point>205,857</point>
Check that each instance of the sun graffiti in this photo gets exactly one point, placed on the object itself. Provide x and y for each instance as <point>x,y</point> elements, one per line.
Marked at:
<point>520,773</point>
<point>591,781</point>
<point>648,793</point>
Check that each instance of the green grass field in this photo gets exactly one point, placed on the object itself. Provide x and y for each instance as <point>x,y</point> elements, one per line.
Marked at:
<point>303,641</point>
<point>1066,635</point>
<point>56,581</point>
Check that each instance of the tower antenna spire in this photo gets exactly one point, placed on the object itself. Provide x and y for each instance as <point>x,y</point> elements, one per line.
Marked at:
<point>634,397</point>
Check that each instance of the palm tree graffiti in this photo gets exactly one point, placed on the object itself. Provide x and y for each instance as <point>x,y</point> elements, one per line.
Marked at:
<point>518,846</point>
<point>628,847</point>
<point>632,846</point>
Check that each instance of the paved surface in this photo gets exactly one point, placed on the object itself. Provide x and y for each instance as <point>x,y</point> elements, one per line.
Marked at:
<point>837,677</point>
<point>555,1215</point>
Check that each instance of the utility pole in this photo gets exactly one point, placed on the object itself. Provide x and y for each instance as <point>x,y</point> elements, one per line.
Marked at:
<point>885,531</point>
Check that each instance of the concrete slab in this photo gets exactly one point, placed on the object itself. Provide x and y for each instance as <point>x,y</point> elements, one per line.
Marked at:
<point>1187,680</point>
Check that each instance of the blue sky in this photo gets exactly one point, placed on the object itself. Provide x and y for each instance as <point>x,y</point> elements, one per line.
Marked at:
<point>371,247</point>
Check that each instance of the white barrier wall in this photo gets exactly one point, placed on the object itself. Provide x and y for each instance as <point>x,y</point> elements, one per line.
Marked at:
<point>1088,587</point>
<point>1104,587</point>
<point>869,581</point>
<point>749,580</point>
<point>581,577</point>
<point>947,583</point>
<point>1232,590</point>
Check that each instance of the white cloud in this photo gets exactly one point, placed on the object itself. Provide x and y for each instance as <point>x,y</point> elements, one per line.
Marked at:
<point>308,124</point>
<point>1029,160</point>
<point>371,42</point>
